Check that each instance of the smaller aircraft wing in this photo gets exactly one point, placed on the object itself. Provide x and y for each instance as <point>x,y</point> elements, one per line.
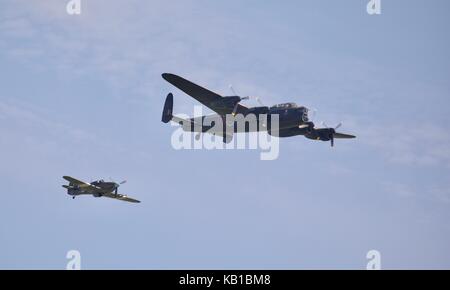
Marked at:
<point>343,136</point>
<point>81,184</point>
<point>77,182</point>
<point>121,197</point>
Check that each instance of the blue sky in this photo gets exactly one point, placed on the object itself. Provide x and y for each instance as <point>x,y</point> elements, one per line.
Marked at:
<point>82,96</point>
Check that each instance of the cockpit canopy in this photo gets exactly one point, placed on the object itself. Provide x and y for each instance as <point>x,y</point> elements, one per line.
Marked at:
<point>285,106</point>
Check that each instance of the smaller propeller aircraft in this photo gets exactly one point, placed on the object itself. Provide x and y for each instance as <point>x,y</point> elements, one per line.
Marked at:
<point>97,188</point>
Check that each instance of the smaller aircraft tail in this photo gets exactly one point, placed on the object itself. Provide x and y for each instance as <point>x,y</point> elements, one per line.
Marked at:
<point>168,109</point>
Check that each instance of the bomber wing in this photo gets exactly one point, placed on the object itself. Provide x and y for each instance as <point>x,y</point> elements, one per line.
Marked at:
<point>208,98</point>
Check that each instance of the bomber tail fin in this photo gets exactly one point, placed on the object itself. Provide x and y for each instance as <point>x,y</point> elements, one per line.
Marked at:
<point>168,109</point>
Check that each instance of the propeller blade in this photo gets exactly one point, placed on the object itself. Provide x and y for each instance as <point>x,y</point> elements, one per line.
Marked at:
<point>235,109</point>
<point>245,98</point>
<point>259,101</point>
<point>237,104</point>
<point>311,114</point>
<point>122,182</point>
<point>323,124</point>
<point>232,90</point>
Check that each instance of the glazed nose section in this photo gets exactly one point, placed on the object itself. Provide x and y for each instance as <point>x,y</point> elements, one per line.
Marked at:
<point>304,112</point>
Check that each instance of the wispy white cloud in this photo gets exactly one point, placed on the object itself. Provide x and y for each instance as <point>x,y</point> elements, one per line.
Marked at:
<point>24,119</point>
<point>427,192</point>
<point>418,144</point>
<point>110,41</point>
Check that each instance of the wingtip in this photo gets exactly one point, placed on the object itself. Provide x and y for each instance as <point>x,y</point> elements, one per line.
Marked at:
<point>166,75</point>
<point>169,77</point>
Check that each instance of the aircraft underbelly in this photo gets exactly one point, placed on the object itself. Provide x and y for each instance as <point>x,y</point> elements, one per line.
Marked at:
<point>215,123</point>
<point>74,192</point>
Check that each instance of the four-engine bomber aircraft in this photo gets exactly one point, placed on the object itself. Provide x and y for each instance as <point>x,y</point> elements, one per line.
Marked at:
<point>293,119</point>
<point>97,188</point>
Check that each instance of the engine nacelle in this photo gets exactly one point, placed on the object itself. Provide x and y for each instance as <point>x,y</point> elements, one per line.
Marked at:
<point>226,102</point>
<point>258,110</point>
<point>324,134</point>
<point>295,131</point>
